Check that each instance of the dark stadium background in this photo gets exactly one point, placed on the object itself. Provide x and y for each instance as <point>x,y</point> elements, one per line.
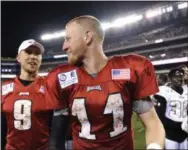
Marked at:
<point>24,20</point>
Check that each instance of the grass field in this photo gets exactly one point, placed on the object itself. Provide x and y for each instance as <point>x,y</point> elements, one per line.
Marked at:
<point>139,133</point>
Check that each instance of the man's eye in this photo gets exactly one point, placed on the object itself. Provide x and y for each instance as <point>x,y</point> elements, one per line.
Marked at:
<point>67,39</point>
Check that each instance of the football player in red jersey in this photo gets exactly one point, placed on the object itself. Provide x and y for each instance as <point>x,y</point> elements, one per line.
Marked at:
<point>100,93</point>
<point>23,103</point>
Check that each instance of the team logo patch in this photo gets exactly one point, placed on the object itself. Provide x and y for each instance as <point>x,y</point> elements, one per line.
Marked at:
<point>91,88</point>
<point>7,88</point>
<point>62,77</point>
<point>121,74</point>
<point>68,78</point>
<point>24,93</point>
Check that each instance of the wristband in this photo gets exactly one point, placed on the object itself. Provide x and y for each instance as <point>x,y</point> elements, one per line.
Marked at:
<point>154,146</point>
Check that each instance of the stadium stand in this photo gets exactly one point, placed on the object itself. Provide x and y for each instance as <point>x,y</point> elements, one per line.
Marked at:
<point>162,37</point>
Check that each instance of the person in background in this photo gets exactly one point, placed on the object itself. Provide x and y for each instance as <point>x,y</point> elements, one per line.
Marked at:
<point>172,109</point>
<point>162,79</point>
<point>185,68</point>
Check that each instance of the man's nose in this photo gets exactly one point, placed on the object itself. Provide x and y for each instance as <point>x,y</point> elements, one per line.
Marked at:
<point>65,46</point>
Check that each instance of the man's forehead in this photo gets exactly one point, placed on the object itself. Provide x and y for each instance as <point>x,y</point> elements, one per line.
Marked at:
<point>73,26</point>
<point>73,30</point>
<point>69,29</point>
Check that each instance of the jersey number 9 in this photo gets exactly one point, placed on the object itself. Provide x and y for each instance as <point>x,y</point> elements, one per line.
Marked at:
<point>22,114</point>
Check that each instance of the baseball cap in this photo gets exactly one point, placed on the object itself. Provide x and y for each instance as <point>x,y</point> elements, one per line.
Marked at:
<point>174,70</point>
<point>25,44</point>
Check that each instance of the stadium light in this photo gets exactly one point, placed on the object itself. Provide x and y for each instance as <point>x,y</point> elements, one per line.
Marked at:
<point>163,10</point>
<point>119,22</point>
<point>159,41</point>
<point>8,76</point>
<point>13,75</point>
<point>106,25</point>
<point>153,13</point>
<point>127,20</point>
<point>53,35</point>
<point>182,5</point>
<point>150,56</point>
<point>163,55</point>
<point>60,56</point>
<point>170,61</point>
<point>169,9</point>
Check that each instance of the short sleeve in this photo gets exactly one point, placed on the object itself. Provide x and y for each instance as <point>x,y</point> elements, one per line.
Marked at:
<point>56,98</point>
<point>163,92</point>
<point>7,88</point>
<point>146,84</point>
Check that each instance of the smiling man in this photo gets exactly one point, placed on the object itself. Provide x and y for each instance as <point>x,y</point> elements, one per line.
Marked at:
<point>100,93</point>
<point>26,120</point>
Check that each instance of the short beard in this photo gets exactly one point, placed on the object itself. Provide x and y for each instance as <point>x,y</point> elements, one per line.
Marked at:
<point>78,62</point>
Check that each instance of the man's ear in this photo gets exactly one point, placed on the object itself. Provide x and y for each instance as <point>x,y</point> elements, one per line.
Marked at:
<point>18,58</point>
<point>88,37</point>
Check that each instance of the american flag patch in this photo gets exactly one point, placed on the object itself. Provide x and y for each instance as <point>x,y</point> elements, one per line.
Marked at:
<point>121,74</point>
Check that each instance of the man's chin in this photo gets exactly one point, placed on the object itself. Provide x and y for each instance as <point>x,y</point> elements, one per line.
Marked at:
<point>32,71</point>
<point>73,62</point>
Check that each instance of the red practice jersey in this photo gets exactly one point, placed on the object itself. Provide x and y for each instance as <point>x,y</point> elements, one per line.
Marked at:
<point>101,106</point>
<point>26,116</point>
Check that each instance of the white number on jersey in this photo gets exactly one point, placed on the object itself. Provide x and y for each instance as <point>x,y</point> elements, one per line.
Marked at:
<point>178,109</point>
<point>79,110</point>
<point>22,114</point>
<point>113,106</point>
<point>175,110</point>
<point>185,109</point>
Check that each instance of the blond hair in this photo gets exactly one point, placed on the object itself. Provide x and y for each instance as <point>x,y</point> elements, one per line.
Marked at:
<point>88,21</point>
